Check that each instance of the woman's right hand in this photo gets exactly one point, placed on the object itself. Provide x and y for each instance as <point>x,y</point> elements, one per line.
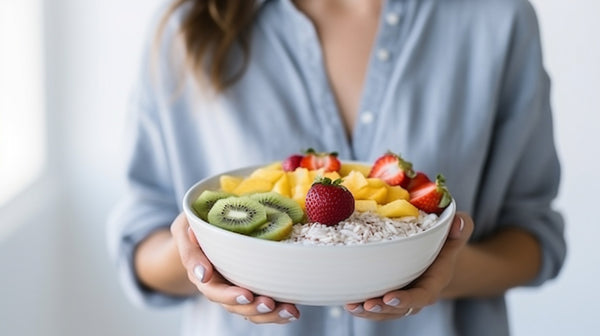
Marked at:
<point>237,300</point>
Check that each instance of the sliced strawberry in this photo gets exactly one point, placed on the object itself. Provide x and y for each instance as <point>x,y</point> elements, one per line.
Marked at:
<point>313,161</point>
<point>292,162</point>
<point>393,170</point>
<point>431,197</point>
<point>328,202</point>
<point>417,181</point>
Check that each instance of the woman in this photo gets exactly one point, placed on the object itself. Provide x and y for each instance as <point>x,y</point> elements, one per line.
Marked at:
<point>456,87</point>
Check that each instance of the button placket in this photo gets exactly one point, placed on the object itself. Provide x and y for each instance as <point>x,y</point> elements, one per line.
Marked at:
<point>380,68</point>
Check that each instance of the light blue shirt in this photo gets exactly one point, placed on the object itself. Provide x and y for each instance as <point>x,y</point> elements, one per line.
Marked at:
<point>457,87</point>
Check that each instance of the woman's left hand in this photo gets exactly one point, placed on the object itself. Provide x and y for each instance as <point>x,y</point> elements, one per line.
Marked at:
<point>425,290</point>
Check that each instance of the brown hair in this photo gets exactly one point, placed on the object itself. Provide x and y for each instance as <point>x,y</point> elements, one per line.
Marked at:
<point>210,29</point>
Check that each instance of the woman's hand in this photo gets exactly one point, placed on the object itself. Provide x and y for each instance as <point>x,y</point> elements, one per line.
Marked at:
<point>425,290</point>
<point>237,300</point>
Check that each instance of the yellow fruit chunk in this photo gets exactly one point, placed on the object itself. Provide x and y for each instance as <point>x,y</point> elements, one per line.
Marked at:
<point>273,166</point>
<point>252,185</point>
<point>398,208</point>
<point>355,181</point>
<point>282,186</point>
<point>229,183</point>
<point>346,168</point>
<point>332,175</point>
<point>376,183</point>
<point>396,193</point>
<point>365,205</point>
<point>378,194</point>
<point>267,174</point>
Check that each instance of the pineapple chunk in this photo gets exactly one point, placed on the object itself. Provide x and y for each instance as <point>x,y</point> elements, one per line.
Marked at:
<point>378,194</point>
<point>332,175</point>
<point>355,181</point>
<point>396,193</point>
<point>282,186</point>
<point>267,174</point>
<point>398,208</point>
<point>229,183</point>
<point>365,205</point>
<point>347,168</point>
<point>252,185</point>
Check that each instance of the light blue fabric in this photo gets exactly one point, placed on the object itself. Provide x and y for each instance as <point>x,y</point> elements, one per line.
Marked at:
<point>462,92</point>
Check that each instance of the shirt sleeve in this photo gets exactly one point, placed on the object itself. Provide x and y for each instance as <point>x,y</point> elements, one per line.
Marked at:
<point>148,202</point>
<point>525,132</point>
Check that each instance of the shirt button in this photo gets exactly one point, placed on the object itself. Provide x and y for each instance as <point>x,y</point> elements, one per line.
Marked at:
<point>392,19</point>
<point>383,54</point>
<point>366,117</point>
<point>335,312</point>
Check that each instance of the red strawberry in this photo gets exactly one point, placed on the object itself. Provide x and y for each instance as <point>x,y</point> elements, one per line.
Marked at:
<point>392,169</point>
<point>328,202</point>
<point>431,197</point>
<point>417,181</point>
<point>292,162</point>
<point>313,161</point>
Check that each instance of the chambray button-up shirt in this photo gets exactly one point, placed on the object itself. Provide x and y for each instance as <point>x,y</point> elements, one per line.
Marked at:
<point>456,87</point>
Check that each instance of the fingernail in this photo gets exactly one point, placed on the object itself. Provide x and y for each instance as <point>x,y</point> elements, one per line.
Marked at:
<point>285,314</point>
<point>375,309</point>
<point>393,302</point>
<point>263,308</point>
<point>199,272</point>
<point>357,310</point>
<point>462,224</point>
<point>242,300</point>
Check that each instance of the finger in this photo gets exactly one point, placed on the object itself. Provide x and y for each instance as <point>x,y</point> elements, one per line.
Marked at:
<point>199,268</point>
<point>221,291</point>
<point>462,227</point>
<point>283,313</point>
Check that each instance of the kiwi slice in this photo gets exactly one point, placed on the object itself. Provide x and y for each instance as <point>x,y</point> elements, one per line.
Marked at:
<point>280,203</point>
<point>278,226</point>
<point>206,200</point>
<point>237,214</point>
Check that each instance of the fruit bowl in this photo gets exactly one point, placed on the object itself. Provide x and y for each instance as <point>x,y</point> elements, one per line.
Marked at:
<point>317,275</point>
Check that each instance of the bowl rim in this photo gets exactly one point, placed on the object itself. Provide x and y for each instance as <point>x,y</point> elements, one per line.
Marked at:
<point>187,201</point>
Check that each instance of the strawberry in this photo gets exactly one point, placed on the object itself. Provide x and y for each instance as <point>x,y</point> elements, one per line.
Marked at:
<point>393,170</point>
<point>328,202</point>
<point>431,197</point>
<point>313,161</point>
<point>292,162</point>
<point>417,181</point>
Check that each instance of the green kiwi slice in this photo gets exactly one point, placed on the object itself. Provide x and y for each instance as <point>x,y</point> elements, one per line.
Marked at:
<point>278,226</point>
<point>237,214</point>
<point>280,203</point>
<point>206,200</point>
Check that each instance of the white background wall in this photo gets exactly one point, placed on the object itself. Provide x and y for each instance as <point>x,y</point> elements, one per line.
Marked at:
<point>55,277</point>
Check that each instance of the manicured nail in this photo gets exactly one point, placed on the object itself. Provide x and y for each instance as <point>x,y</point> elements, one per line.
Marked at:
<point>242,300</point>
<point>393,302</point>
<point>285,314</point>
<point>462,224</point>
<point>375,309</point>
<point>357,310</point>
<point>263,308</point>
<point>199,272</point>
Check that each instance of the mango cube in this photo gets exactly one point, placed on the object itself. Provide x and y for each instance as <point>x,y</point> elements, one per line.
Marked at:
<point>229,183</point>
<point>365,205</point>
<point>398,208</point>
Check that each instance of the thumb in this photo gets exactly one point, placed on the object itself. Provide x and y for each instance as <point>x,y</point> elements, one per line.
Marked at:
<point>197,265</point>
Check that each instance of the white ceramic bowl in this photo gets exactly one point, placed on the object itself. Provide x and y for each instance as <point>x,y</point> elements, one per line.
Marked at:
<point>314,275</point>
